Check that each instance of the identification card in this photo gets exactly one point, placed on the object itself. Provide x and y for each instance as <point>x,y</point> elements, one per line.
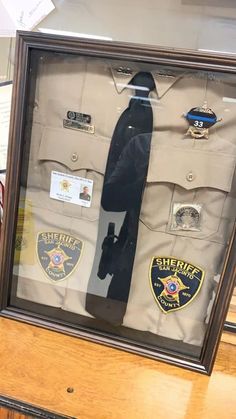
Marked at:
<point>72,189</point>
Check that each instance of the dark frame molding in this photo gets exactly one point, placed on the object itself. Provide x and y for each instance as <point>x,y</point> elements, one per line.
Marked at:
<point>230,327</point>
<point>28,409</point>
<point>30,41</point>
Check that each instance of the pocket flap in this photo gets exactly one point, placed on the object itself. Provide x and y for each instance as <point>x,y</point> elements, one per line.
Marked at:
<point>191,168</point>
<point>74,149</point>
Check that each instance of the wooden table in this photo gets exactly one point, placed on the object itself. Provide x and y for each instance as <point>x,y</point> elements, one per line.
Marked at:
<point>39,366</point>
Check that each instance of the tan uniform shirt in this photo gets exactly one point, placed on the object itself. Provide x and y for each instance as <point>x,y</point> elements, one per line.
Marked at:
<point>190,171</point>
<point>92,87</point>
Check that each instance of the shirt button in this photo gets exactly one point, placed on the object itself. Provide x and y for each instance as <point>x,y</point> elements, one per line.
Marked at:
<point>74,157</point>
<point>190,177</point>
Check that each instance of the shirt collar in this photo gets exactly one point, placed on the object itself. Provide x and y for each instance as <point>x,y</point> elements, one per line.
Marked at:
<point>123,73</point>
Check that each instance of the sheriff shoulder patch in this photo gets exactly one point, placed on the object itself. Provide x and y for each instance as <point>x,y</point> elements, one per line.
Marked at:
<point>174,282</point>
<point>58,254</point>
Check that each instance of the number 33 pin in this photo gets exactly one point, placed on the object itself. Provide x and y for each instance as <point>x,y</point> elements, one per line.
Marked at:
<point>200,120</point>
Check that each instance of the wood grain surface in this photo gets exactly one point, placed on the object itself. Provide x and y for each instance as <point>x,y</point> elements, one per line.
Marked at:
<point>230,338</point>
<point>40,367</point>
<point>11,414</point>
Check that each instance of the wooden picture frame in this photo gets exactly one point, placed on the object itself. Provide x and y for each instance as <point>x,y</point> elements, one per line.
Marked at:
<point>28,46</point>
<point>230,323</point>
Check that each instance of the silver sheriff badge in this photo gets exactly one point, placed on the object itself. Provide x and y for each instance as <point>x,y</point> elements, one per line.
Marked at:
<point>186,217</point>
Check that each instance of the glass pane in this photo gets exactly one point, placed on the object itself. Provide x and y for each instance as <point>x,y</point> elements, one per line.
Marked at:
<point>191,24</point>
<point>127,198</point>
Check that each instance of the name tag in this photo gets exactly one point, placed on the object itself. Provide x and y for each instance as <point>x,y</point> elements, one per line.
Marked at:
<point>78,121</point>
<point>71,189</point>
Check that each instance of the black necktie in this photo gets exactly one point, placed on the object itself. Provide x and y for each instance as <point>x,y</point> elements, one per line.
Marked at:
<point>136,119</point>
<point>124,181</point>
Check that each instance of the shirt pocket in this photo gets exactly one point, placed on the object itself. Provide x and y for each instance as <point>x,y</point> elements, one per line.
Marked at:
<point>75,153</point>
<point>186,177</point>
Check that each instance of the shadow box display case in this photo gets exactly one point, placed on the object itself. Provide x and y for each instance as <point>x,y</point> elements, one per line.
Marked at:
<point>120,197</point>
